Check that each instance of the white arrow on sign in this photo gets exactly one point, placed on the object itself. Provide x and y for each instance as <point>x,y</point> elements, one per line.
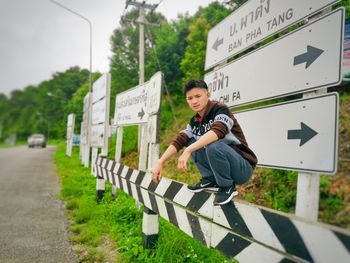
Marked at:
<point>299,135</point>
<point>255,21</point>
<point>306,59</point>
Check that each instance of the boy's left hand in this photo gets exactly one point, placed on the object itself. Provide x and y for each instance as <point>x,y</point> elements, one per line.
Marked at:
<point>182,162</point>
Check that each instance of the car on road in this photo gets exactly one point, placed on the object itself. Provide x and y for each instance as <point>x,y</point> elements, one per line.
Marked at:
<point>37,140</point>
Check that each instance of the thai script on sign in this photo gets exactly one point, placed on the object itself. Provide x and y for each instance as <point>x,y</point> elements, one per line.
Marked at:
<point>251,17</point>
<point>129,101</point>
<point>219,82</point>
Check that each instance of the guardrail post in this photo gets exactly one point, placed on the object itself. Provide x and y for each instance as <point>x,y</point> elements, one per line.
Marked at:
<point>118,153</point>
<point>150,228</point>
<point>100,188</point>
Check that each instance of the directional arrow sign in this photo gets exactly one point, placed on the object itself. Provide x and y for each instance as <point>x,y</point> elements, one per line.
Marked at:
<point>130,105</point>
<point>309,57</point>
<point>254,21</point>
<point>304,134</point>
<point>306,59</point>
<point>299,135</point>
<point>218,42</point>
<point>135,105</point>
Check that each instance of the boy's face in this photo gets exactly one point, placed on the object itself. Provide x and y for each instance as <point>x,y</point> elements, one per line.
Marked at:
<point>197,99</point>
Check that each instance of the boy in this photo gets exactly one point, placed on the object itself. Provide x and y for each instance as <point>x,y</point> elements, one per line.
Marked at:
<point>216,144</point>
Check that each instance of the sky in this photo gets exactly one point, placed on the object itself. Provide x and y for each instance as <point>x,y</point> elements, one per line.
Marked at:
<point>39,38</point>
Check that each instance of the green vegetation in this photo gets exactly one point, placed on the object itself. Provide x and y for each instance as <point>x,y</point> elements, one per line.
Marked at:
<point>111,231</point>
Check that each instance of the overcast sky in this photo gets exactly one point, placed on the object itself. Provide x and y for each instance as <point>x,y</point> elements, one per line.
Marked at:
<point>38,38</point>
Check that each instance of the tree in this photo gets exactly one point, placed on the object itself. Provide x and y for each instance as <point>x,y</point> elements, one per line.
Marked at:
<point>192,65</point>
<point>124,62</point>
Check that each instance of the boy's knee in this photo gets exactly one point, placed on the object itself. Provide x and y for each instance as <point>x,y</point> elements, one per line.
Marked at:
<point>213,147</point>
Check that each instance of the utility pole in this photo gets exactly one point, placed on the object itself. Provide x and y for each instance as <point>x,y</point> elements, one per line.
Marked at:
<point>142,6</point>
<point>141,21</point>
<point>150,221</point>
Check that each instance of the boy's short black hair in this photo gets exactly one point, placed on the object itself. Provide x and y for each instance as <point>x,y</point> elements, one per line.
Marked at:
<point>195,83</point>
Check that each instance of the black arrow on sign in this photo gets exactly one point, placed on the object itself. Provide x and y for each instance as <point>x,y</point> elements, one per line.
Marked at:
<point>217,43</point>
<point>141,113</point>
<point>304,134</point>
<point>309,57</point>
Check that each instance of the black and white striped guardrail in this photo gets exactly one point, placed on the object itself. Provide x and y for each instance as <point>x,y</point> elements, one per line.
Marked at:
<point>240,230</point>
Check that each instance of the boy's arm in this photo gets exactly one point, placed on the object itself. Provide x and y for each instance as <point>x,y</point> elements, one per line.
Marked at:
<point>206,139</point>
<point>157,169</point>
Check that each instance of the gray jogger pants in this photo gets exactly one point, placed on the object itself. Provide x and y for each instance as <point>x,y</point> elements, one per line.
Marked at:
<point>218,162</point>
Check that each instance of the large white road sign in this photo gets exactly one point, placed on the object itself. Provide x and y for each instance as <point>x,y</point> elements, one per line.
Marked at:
<point>100,111</point>
<point>135,105</point>
<point>100,88</point>
<point>130,106</point>
<point>306,59</point>
<point>300,135</point>
<point>254,21</point>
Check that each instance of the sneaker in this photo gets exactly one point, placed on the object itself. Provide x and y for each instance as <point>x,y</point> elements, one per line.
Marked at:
<point>225,195</point>
<point>204,184</point>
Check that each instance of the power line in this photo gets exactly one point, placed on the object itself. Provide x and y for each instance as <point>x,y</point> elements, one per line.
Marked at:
<point>155,54</point>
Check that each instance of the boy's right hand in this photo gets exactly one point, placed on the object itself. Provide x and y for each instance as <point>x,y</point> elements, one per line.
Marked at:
<point>157,172</point>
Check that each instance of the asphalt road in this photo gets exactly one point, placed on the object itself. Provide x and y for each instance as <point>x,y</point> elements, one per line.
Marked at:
<point>33,226</point>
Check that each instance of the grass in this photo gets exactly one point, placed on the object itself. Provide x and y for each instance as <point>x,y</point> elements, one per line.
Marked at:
<point>111,230</point>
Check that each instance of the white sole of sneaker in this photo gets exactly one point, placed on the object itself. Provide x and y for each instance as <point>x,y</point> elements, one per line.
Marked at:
<point>212,189</point>
<point>235,193</point>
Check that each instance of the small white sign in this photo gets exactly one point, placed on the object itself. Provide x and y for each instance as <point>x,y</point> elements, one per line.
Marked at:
<point>70,120</point>
<point>69,133</point>
<point>254,21</point>
<point>99,111</point>
<point>97,135</point>
<point>154,91</point>
<point>152,129</point>
<point>306,59</point>
<point>86,102</point>
<point>299,135</point>
<point>70,126</point>
<point>100,87</point>
<point>83,133</point>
